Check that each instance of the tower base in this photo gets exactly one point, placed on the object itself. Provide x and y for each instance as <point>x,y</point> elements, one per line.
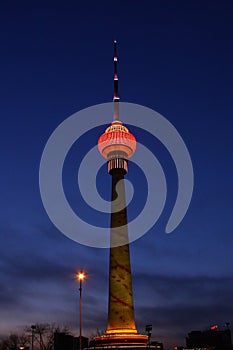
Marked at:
<point>121,340</point>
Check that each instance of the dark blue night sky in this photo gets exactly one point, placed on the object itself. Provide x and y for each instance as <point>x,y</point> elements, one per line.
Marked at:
<point>174,57</point>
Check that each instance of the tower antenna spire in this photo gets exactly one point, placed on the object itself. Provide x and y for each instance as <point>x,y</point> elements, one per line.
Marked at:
<point>116,97</point>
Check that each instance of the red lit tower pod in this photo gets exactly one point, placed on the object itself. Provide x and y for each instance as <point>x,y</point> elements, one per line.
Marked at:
<point>117,145</point>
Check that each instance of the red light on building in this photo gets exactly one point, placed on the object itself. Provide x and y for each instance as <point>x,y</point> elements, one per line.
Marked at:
<point>214,327</point>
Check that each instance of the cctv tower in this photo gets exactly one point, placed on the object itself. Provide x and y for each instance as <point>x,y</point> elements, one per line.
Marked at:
<point>117,145</point>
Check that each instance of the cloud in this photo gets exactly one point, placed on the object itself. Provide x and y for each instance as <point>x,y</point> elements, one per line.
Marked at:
<point>200,289</point>
<point>38,285</point>
<point>176,305</point>
<point>38,277</point>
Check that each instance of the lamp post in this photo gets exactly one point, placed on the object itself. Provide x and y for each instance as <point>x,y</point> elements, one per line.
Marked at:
<point>148,330</point>
<point>81,276</point>
<point>33,328</point>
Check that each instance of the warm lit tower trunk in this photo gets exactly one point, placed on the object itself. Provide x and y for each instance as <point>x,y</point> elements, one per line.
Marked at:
<point>121,308</point>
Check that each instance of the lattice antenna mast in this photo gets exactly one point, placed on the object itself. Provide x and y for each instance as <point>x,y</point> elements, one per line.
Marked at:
<point>116,97</point>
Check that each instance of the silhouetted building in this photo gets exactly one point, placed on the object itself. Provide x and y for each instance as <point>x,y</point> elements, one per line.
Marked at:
<point>64,341</point>
<point>155,345</point>
<point>212,338</point>
<point>85,342</point>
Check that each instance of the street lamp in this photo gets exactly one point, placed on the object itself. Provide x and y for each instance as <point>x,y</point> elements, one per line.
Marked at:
<point>33,328</point>
<point>81,276</point>
<point>148,330</point>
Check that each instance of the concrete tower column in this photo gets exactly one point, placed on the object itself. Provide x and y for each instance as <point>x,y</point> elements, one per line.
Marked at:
<point>121,308</point>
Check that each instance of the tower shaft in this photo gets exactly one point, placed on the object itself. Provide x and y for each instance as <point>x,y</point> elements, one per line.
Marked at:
<point>120,308</point>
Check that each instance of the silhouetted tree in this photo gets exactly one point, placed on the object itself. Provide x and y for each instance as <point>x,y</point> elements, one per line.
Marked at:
<point>43,337</point>
<point>43,334</point>
<point>14,342</point>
